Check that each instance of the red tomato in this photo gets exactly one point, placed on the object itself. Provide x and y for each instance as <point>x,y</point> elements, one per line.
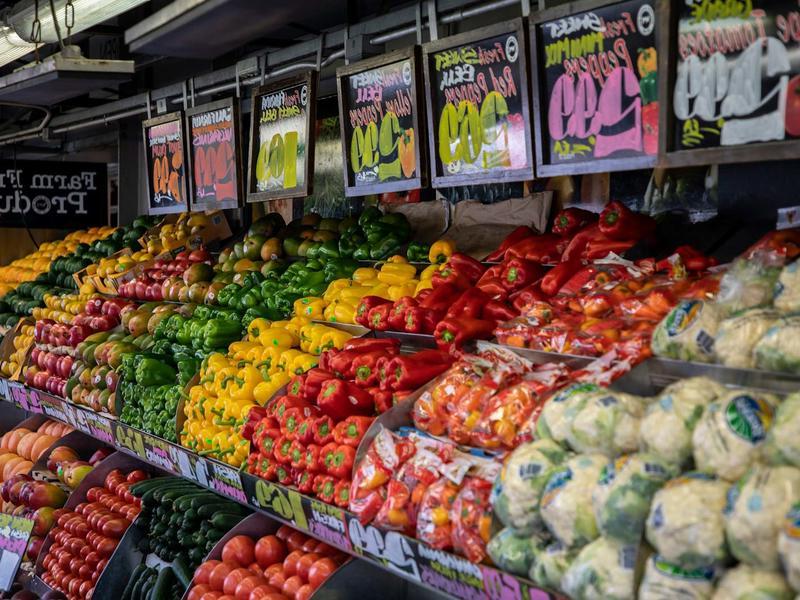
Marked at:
<point>114,528</point>
<point>233,580</point>
<point>277,580</point>
<point>137,475</point>
<point>247,585</point>
<point>304,564</point>
<point>291,585</point>
<point>304,593</point>
<point>269,550</point>
<point>255,569</point>
<point>102,565</point>
<point>324,549</point>
<point>105,546</point>
<point>266,592</point>
<point>84,587</point>
<point>284,531</point>
<point>197,591</point>
<point>320,571</point>
<point>212,595</point>
<point>85,571</point>
<point>309,545</point>
<point>239,550</point>
<point>217,577</point>
<point>295,541</point>
<point>272,569</point>
<point>92,559</point>
<point>201,573</point>
<point>290,563</point>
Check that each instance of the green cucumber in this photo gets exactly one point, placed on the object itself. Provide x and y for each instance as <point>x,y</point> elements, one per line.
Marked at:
<point>182,571</point>
<point>137,573</point>
<point>162,584</point>
<point>225,520</point>
<point>136,592</point>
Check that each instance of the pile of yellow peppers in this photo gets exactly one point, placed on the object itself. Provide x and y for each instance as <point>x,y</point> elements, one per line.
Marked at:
<point>23,340</point>
<point>61,309</point>
<point>249,375</point>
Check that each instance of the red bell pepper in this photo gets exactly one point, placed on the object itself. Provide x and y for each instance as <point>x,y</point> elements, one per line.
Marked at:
<point>351,430</point>
<point>295,386</point>
<point>559,275</point>
<point>601,247</point>
<point>414,320</point>
<point>454,332</point>
<point>527,296</point>
<point>284,475</point>
<point>441,297</point>
<point>365,371</point>
<point>284,403</point>
<point>326,455</point>
<point>498,311</point>
<point>378,317</point>
<point>265,441</point>
<point>384,399</point>
<point>371,344</point>
<point>469,304</point>
<point>519,273</point>
<point>397,315</point>
<point>577,245</point>
<point>618,222</point>
<point>410,373</point>
<point>542,249</point>
<point>323,430</point>
<point>254,417</point>
<point>252,463</point>
<point>325,488</point>
<point>290,422</point>
<point>339,463</point>
<point>341,493</point>
<point>493,287</point>
<point>432,355</point>
<point>269,471</point>
<point>341,364</point>
<point>305,431</point>
<point>282,451</point>
<point>340,399</point>
<point>314,378</point>
<point>570,220</point>
<point>467,266</point>
<point>325,357</point>
<point>312,458</point>
<point>297,454</point>
<point>449,275</point>
<point>366,304</point>
<point>517,235</point>
<point>305,483</point>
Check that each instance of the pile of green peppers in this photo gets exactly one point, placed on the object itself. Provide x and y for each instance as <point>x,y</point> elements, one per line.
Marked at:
<point>207,330</point>
<point>376,236</point>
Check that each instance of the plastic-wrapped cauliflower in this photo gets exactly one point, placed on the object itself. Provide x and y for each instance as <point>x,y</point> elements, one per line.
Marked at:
<point>666,429</point>
<point>665,581</point>
<point>516,492</point>
<point>566,504</point>
<point>747,284</point>
<point>603,570</point>
<point>787,290</point>
<point>783,439</point>
<point>550,564</point>
<point>688,331</point>
<point>730,432</point>
<point>514,553</point>
<point>748,583</point>
<point>686,525</point>
<point>622,497</point>
<point>738,335</point>
<point>607,423</point>
<point>779,348</point>
<point>755,512</point>
<point>551,423</point>
<point>789,546</point>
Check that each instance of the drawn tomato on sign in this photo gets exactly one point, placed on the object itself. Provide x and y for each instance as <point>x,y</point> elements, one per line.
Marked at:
<point>793,107</point>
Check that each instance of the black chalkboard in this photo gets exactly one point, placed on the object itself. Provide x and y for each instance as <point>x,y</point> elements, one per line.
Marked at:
<point>477,100</point>
<point>282,138</point>
<point>164,139</point>
<point>596,76</point>
<point>380,126</point>
<point>737,73</point>
<point>214,155</point>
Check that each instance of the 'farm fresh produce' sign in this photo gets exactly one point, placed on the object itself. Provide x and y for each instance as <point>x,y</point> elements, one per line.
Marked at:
<point>597,79</point>
<point>477,93</point>
<point>282,139</point>
<point>214,155</point>
<point>63,195</point>
<point>380,124</point>
<point>737,78</point>
<point>166,172</point>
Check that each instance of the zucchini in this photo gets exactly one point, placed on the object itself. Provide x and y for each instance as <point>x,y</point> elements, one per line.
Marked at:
<point>137,573</point>
<point>182,571</point>
<point>215,534</point>
<point>136,592</point>
<point>186,502</point>
<point>208,510</point>
<point>173,494</point>
<point>225,520</point>
<point>144,593</point>
<point>162,584</point>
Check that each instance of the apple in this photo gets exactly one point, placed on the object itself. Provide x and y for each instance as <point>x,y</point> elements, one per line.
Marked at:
<point>36,494</point>
<point>65,366</point>
<point>94,305</point>
<point>61,454</point>
<point>40,380</point>
<point>99,455</point>
<point>43,520</point>
<point>8,484</point>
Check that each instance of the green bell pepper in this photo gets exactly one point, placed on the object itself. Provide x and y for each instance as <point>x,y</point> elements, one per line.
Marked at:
<point>314,264</point>
<point>187,369</point>
<point>648,87</point>
<point>220,333</point>
<point>418,252</point>
<point>150,372</point>
<point>329,249</point>
<point>369,214</point>
<point>362,252</point>
<point>388,246</point>
<point>313,250</point>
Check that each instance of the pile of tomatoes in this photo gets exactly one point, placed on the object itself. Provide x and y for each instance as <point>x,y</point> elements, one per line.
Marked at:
<point>287,564</point>
<point>84,538</point>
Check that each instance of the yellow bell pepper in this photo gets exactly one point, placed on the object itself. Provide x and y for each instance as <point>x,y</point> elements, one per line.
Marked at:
<point>333,338</point>
<point>310,306</point>
<point>295,324</point>
<point>441,251</point>
<point>241,387</point>
<point>303,363</point>
<point>268,360</point>
<point>396,273</point>
<point>425,284</point>
<point>354,295</point>
<point>363,274</point>
<point>286,359</point>
<point>428,272</point>
<point>257,326</point>
<point>240,350</point>
<point>397,258</point>
<point>398,291</point>
<point>278,338</point>
<point>339,284</point>
<point>341,312</point>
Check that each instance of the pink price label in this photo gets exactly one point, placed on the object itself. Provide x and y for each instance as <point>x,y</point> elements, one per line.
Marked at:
<point>502,586</point>
<point>34,402</point>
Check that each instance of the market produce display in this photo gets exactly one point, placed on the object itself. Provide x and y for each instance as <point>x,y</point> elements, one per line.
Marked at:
<point>83,539</point>
<point>21,447</point>
<point>184,278</point>
<point>287,564</point>
<point>22,341</point>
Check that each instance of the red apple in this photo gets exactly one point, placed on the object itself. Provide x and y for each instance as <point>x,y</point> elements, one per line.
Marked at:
<point>94,305</point>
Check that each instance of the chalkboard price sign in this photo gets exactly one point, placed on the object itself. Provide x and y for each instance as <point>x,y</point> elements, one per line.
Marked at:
<point>737,74</point>
<point>379,117</point>
<point>477,99</point>
<point>282,139</point>
<point>166,169</point>
<point>214,156</point>
<point>596,76</point>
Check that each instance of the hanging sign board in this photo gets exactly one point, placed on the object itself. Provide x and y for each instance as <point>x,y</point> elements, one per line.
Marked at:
<point>596,79</point>
<point>382,145</point>
<point>14,535</point>
<point>477,100</point>
<point>60,195</point>
<point>282,139</point>
<point>166,171</point>
<point>214,157</point>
